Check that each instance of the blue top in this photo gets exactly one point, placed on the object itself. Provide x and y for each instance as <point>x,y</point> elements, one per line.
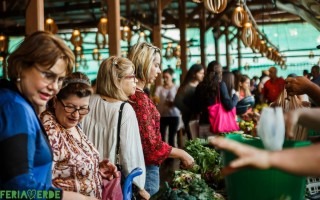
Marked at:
<point>26,157</point>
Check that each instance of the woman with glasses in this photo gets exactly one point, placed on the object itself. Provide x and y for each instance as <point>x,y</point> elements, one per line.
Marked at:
<point>36,70</point>
<point>115,82</point>
<point>76,164</point>
<point>146,58</point>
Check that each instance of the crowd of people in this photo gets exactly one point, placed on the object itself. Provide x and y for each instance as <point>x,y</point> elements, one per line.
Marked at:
<point>59,133</point>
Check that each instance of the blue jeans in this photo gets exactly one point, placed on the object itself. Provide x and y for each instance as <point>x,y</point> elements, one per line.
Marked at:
<point>152,179</point>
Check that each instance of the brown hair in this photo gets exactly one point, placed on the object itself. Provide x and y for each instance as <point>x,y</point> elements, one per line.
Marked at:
<point>41,48</point>
<point>228,78</point>
<point>77,84</point>
<point>243,78</point>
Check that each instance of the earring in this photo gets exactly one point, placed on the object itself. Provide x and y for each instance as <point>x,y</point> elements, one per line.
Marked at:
<point>18,79</point>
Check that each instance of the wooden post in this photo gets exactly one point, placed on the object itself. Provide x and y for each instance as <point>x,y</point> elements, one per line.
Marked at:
<point>216,44</point>
<point>226,32</point>
<point>239,49</point>
<point>34,16</point>
<point>183,43</point>
<point>203,35</point>
<point>156,29</point>
<point>114,27</point>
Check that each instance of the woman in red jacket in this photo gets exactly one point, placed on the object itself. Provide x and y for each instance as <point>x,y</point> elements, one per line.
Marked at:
<point>146,59</point>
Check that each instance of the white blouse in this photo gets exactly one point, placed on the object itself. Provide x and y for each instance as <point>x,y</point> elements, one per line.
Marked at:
<point>100,126</point>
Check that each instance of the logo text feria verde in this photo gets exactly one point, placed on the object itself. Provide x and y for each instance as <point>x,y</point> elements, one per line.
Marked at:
<point>30,194</point>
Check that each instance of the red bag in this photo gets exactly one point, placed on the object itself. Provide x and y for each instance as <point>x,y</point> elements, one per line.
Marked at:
<point>222,121</point>
<point>111,190</point>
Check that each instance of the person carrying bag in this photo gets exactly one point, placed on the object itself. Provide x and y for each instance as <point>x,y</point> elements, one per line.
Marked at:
<point>221,120</point>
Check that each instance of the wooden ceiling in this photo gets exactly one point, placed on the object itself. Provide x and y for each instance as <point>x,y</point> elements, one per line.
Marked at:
<point>69,14</point>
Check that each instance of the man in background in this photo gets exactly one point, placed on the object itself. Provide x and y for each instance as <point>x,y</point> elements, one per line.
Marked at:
<point>273,87</point>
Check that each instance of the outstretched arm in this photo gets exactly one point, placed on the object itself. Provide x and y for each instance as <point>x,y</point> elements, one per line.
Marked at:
<point>300,161</point>
<point>302,85</point>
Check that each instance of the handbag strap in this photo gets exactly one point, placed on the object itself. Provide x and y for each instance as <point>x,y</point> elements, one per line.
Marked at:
<point>118,134</point>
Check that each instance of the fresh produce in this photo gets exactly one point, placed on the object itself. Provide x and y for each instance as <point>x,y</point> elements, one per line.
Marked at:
<point>258,108</point>
<point>248,127</point>
<point>168,193</point>
<point>208,161</point>
<point>187,186</point>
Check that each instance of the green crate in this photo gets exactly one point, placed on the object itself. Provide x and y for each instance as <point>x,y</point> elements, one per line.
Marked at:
<point>313,133</point>
<point>271,184</point>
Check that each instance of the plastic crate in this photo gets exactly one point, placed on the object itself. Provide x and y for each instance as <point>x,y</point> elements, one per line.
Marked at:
<point>271,184</point>
<point>313,133</point>
<point>313,185</point>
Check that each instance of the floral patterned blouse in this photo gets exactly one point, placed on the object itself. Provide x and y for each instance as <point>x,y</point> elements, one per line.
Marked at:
<point>75,163</point>
<point>154,149</point>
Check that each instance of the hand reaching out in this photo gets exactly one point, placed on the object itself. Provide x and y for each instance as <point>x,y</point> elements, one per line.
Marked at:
<point>297,85</point>
<point>247,155</point>
<point>108,170</point>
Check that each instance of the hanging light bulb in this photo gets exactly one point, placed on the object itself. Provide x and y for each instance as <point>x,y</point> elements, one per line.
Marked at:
<point>1,61</point>
<point>76,38</point>
<point>247,34</point>
<point>103,25</point>
<point>50,26</point>
<point>239,16</point>
<point>126,33</point>
<point>169,52</point>
<point>3,44</point>
<point>215,6</point>
<point>95,54</point>
<point>197,1</point>
<point>142,37</point>
<point>177,51</point>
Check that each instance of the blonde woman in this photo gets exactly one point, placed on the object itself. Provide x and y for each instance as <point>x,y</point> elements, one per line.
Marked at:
<point>115,82</point>
<point>146,58</point>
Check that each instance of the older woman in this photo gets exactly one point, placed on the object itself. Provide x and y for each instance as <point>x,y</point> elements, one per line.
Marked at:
<point>36,70</point>
<point>146,58</point>
<point>115,82</point>
<point>76,164</point>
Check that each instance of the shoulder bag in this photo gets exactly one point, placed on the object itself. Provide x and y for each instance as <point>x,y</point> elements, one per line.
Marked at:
<point>221,120</point>
<point>112,189</point>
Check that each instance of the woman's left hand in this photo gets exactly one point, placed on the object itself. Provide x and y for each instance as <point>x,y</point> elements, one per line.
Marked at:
<point>108,170</point>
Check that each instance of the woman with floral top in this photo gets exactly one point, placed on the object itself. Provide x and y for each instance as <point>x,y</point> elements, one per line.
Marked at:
<point>76,165</point>
<point>146,59</point>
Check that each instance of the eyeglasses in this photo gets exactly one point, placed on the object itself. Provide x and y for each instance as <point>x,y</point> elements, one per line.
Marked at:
<point>150,46</point>
<point>50,77</point>
<point>72,109</point>
<point>132,76</point>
